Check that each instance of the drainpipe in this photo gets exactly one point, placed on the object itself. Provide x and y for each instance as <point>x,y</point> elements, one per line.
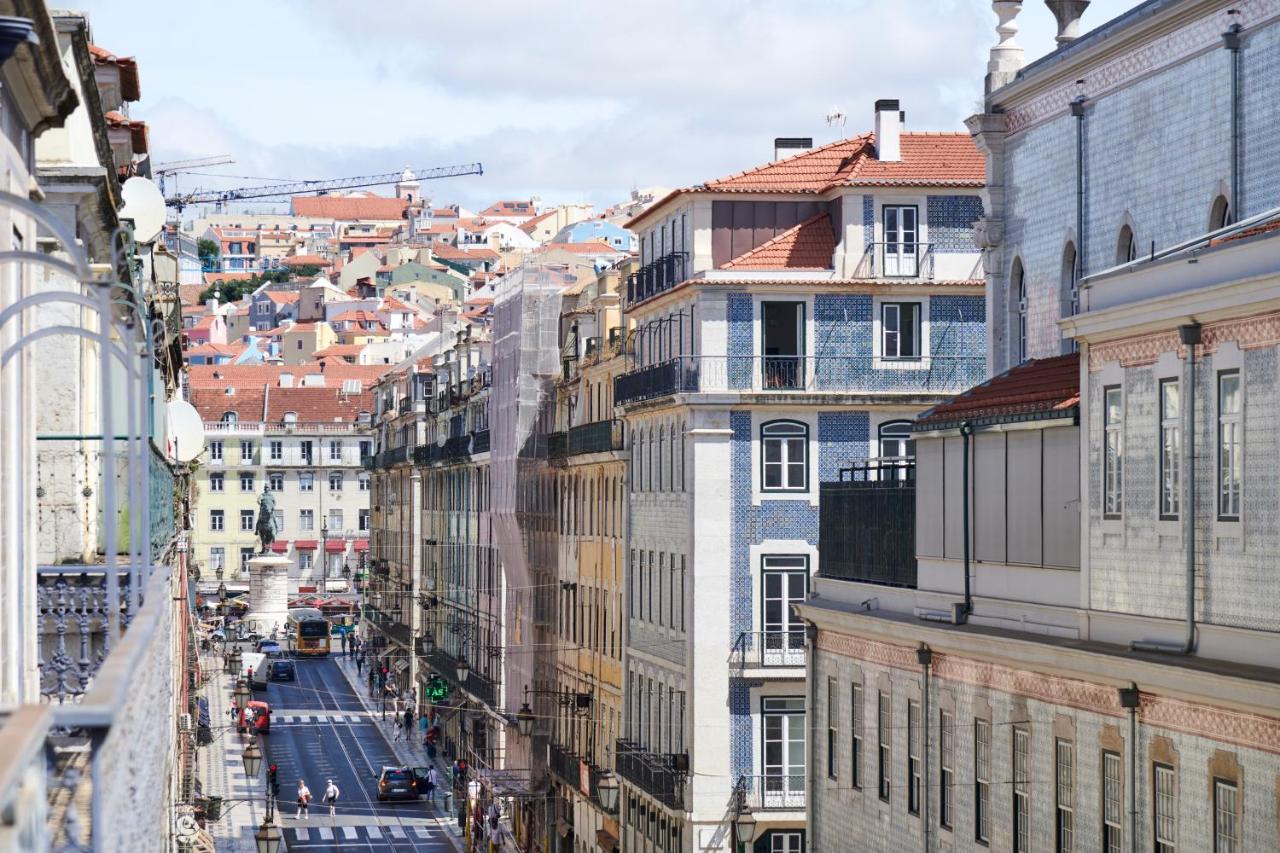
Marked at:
<point>1129,701</point>
<point>959,613</point>
<point>1077,110</point>
<point>925,657</point>
<point>1231,40</point>
<point>1190,335</point>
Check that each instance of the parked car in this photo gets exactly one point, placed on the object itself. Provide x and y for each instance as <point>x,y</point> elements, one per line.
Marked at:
<point>397,783</point>
<point>282,670</point>
<point>261,714</point>
<point>268,647</point>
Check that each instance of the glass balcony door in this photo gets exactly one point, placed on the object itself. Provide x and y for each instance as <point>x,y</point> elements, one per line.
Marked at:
<point>783,783</point>
<point>901,241</point>
<point>786,582</point>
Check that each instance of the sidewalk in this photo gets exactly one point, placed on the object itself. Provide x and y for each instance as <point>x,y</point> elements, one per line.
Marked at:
<point>410,752</point>
<point>222,769</point>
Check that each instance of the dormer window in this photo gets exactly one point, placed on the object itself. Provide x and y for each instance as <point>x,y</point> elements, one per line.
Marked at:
<point>291,417</point>
<point>230,417</point>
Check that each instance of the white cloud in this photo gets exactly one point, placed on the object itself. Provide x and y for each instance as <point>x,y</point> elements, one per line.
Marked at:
<point>581,103</point>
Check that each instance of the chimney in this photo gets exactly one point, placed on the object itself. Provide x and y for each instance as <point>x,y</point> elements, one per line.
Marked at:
<point>889,120</point>
<point>786,146</point>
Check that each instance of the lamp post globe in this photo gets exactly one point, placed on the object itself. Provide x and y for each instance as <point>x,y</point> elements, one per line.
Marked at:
<point>524,720</point>
<point>607,788</point>
<point>252,759</point>
<point>745,824</point>
<point>222,592</point>
<point>267,838</point>
<point>464,669</point>
<point>242,694</point>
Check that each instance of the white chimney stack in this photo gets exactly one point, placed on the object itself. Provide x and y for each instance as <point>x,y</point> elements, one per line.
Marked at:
<point>889,120</point>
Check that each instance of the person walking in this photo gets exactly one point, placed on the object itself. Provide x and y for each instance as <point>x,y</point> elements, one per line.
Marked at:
<point>433,782</point>
<point>371,682</point>
<point>359,666</point>
<point>304,802</point>
<point>331,796</point>
<point>408,723</point>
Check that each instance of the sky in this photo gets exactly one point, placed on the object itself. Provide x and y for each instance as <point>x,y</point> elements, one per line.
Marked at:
<point>584,103</point>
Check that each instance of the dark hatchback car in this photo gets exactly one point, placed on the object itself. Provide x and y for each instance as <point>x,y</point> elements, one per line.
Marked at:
<point>397,783</point>
<point>282,670</point>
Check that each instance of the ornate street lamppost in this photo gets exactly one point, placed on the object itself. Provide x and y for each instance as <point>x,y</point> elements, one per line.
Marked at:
<point>252,760</point>
<point>607,790</point>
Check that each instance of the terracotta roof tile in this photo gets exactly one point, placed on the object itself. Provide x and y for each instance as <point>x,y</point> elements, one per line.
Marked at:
<point>807,245</point>
<point>348,207</point>
<point>281,297</point>
<point>234,275</point>
<point>189,294</point>
<point>340,350</point>
<point>592,247</point>
<point>219,376</point>
<point>306,260</point>
<point>509,208</point>
<point>1034,390</point>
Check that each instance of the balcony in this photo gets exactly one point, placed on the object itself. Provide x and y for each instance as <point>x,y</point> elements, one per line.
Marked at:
<point>557,445</point>
<point>660,775</point>
<point>596,437</point>
<point>770,649</point>
<point>389,624</point>
<point>480,442</point>
<point>73,615</point>
<point>568,766</point>
<point>482,687</point>
<point>657,276</point>
<point>866,523</point>
<point>774,791</point>
<point>457,448</point>
<point>823,374</point>
<point>897,260</point>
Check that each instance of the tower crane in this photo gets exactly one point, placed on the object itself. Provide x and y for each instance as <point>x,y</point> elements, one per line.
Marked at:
<point>292,188</point>
<point>174,167</point>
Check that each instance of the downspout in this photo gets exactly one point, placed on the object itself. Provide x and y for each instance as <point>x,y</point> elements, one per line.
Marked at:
<point>925,657</point>
<point>1129,701</point>
<point>1077,110</point>
<point>1231,39</point>
<point>811,636</point>
<point>959,613</point>
<point>1190,335</point>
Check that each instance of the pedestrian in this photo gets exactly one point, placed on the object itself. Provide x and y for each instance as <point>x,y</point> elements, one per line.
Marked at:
<point>408,723</point>
<point>359,665</point>
<point>371,682</point>
<point>331,796</point>
<point>433,781</point>
<point>304,801</point>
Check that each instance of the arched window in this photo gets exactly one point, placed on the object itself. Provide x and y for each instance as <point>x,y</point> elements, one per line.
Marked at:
<point>897,446</point>
<point>291,417</point>
<point>1070,289</point>
<point>784,456</point>
<point>1126,246</point>
<point>1018,292</point>
<point>229,417</point>
<point>1220,213</point>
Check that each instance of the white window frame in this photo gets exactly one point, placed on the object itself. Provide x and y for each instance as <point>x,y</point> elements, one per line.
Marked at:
<point>217,481</point>
<point>215,451</point>
<point>335,477</point>
<point>856,712</point>
<point>892,324</point>
<point>276,450</point>
<point>306,519</point>
<point>881,361</point>
<point>1112,802</point>
<point>246,515</point>
<point>306,481</point>
<point>275,481</point>
<point>982,780</point>
<point>785,432</point>
<point>1226,817</point>
<point>217,520</point>
<point>1229,442</point>
<point>218,558</point>
<point>884,745</point>
<point>946,765</point>
<point>1164,808</point>
<point>305,561</point>
<point>1170,448</point>
<point>913,757</point>
<point>1020,761</point>
<point>248,476</point>
<point>1112,453</point>
<point>335,450</point>
<point>1064,795</point>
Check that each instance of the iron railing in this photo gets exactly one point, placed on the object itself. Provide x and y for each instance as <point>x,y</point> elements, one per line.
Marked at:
<point>457,447</point>
<point>654,773</point>
<point>596,437</point>
<point>770,791</point>
<point>866,523</point>
<point>478,685</point>
<point>782,648</point>
<point>557,445</point>
<point>657,276</point>
<point>657,380</point>
<point>72,619</point>
<point>480,441</point>
<point>897,260</point>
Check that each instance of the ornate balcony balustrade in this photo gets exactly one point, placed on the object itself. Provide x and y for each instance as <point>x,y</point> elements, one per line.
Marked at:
<point>657,276</point>
<point>660,775</point>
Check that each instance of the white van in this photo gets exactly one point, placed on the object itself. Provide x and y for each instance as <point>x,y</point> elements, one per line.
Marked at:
<point>257,662</point>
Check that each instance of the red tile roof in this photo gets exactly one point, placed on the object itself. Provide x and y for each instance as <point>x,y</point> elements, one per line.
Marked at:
<point>130,87</point>
<point>235,275</point>
<point>216,349</point>
<point>1034,390</point>
<point>189,294</point>
<point>592,247</point>
<point>340,350</point>
<point>357,315</point>
<point>509,208</point>
<point>453,253</point>
<point>443,213</point>
<point>256,403</point>
<point>257,375</point>
<point>390,303</point>
<point>532,225</point>
<point>306,260</point>
<point>808,245</point>
<point>348,207</point>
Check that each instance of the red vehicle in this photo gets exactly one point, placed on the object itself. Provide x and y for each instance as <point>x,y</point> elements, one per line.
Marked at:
<point>261,716</point>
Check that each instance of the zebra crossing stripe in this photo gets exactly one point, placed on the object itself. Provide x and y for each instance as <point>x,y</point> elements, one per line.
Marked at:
<point>374,832</point>
<point>422,832</point>
<point>349,833</point>
<point>303,833</point>
<point>396,832</point>
<point>326,834</point>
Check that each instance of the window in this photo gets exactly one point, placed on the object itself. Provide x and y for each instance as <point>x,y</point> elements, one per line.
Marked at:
<point>335,481</point>
<point>900,330</point>
<point>1226,817</point>
<point>783,340</point>
<point>305,446</point>
<point>1021,791</point>
<point>1230,464</point>
<point>229,417</point>
<point>885,722</point>
<point>1126,246</point>
<point>335,519</point>
<point>216,482</point>
<point>277,451</point>
<point>1070,289</point>
<point>1170,448</point>
<point>306,519</point>
<point>784,452</point>
<point>1113,452</point>
<point>215,519</point>
<point>278,516</point>
<point>217,559</point>
<point>335,451</point>
<point>215,451</point>
<point>246,520</point>
<point>304,561</point>
<point>306,481</point>
<point>246,451</point>
<point>246,482</point>
<point>1165,809</point>
<point>1112,808</point>
<point>276,481</point>
<point>785,580</point>
<point>1219,214</point>
<point>364,519</point>
<point>1021,350</point>
<point>913,757</point>
<point>1064,796</point>
<point>832,740</point>
<point>855,736</point>
<point>901,249</point>
<point>783,724</point>
<point>947,764</point>
<point>982,780</point>
<point>363,480</point>
<point>246,554</point>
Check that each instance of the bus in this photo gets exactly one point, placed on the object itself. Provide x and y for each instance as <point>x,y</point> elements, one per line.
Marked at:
<point>308,632</point>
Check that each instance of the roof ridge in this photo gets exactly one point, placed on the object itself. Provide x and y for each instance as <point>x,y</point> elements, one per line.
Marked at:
<point>862,137</point>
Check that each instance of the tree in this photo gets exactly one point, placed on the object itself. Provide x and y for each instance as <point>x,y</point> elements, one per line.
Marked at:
<point>209,253</point>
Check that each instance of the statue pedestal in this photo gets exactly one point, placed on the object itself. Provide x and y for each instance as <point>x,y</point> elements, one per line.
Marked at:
<point>268,593</point>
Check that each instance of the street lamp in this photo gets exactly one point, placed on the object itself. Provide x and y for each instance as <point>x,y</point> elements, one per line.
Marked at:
<point>233,661</point>
<point>252,759</point>
<point>222,591</point>
<point>267,838</point>
<point>745,825</point>
<point>524,722</point>
<point>607,789</point>
<point>242,694</point>
<point>464,669</point>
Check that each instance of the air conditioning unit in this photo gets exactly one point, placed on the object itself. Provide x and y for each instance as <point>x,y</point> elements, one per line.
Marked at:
<point>184,723</point>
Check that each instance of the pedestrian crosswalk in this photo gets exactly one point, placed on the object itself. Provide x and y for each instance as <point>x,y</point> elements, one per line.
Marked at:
<point>368,832</point>
<point>287,719</point>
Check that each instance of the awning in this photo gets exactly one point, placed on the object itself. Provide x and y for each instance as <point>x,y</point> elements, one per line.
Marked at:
<point>335,546</point>
<point>280,547</point>
<point>562,827</point>
<point>361,545</point>
<point>400,665</point>
<point>304,544</point>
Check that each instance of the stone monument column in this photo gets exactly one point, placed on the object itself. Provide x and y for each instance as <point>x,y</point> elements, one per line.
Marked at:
<point>268,593</point>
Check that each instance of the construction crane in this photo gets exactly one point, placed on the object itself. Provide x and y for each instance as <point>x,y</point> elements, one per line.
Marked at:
<point>299,187</point>
<point>174,167</point>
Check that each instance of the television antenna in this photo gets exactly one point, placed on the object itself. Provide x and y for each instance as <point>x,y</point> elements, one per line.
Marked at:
<point>836,118</point>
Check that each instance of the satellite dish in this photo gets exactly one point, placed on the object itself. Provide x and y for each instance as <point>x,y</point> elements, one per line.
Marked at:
<point>184,431</point>
<point>144,204</point>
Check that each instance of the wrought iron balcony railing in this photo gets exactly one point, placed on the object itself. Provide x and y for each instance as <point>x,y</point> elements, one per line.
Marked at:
<point>866,523</point>
<point>596,437</point>
<point>660,775</point>
<point>480,441</point>
<point>557,445</point>
<point>765,649</point>
<point>657,276</point>
<point>482,687</point>
<point>569,766</point>
<point>897,260</point>
<point>73,610</point>
<point>457,447</point>
<point>657,380</point>
<point>771,791</point>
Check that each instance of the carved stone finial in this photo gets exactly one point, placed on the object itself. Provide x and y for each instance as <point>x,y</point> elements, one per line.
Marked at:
<point>1068,13</point>
<point>1006,56</point>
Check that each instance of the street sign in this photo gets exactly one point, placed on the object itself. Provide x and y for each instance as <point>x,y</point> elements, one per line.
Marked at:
<point>437,689</point>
